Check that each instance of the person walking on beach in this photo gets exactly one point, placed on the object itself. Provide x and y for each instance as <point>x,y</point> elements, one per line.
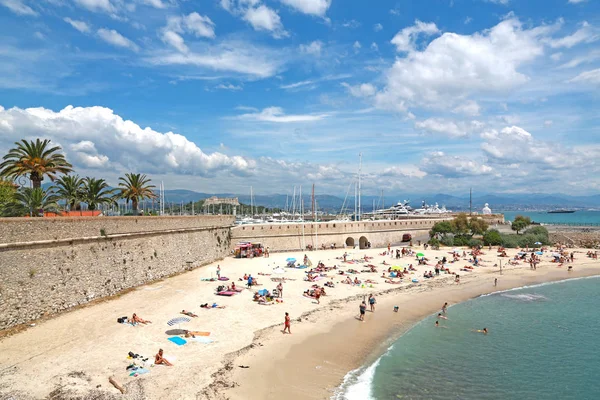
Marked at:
<point>218,272</point>
<point>318,295</point>
<point>372,302</point>
<point>287,324</point>
<point>280,289</point>
<point>249,281</point>
<point>363,309</point>
<point>445,308</point>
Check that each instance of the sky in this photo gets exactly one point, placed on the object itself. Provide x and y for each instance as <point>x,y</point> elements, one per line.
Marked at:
<point>219,95</point>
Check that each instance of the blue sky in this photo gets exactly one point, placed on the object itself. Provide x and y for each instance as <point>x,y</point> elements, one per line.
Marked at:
<point>219,95</point>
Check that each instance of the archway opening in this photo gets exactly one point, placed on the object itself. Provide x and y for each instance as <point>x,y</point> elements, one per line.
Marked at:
<point>363,243</point>
<point>350,242</point>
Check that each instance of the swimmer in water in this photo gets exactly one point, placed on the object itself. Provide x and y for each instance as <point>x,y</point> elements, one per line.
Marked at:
<point>437,325</point>
<point>484,331</point>
<point>441,316</point>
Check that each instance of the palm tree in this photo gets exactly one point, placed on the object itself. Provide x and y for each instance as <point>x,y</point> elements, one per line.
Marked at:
<point>136,187</point>
<point>37,200</point>
<point>36,159</point>
<point>70,189</point>
<point>95,192</point>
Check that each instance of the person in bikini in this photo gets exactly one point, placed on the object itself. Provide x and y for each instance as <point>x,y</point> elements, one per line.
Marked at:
<point>137,320</point>
<point>188,313</point>
<point>286,325</point>
<point>159,359</point>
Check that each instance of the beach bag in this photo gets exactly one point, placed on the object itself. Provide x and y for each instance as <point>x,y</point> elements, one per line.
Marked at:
<point>220,288</point>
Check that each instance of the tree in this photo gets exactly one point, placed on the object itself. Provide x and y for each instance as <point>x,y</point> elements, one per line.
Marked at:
<point>70,189</point>
<point>36,159</point>
<point>520,223</point>
<point>442,228</point>
<point>8,202</point>
<point>136,187</point>
<point>492,238</point>
<point>478,226</point>
<point>460,223</point>
<point>37,201</point>
<point>96,192</point>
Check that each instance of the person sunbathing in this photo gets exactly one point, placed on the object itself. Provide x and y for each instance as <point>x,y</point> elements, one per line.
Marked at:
<point>159,359</point>
<point>348,280</point>
<point>137,320</point>
<point>329,284</point>
<point>356,281</point>
<point>214,305</point>
<point>188,313</point>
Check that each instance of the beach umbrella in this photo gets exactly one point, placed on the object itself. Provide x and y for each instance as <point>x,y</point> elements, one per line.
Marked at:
<point>539,253</point>
<point>538,243</point>
<point>420,255</point>
<point>291,260</point>
<point>177,321</point>
<point>555,255</point>
<point>456,250</point>
<point>397,268</point>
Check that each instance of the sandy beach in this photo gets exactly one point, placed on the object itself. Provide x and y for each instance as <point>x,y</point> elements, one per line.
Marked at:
<point>75,353</point>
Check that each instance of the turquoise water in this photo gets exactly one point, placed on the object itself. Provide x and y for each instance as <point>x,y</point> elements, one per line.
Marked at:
<point>542,344</point>
<point>578,217</point>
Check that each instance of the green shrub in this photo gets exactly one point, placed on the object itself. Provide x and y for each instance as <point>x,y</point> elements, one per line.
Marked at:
<point>461,240</point>
<point>448,241</point>
<point>434,242</point>
<point>510,241</point>
<point>475,243</point>
<point>492,238</point>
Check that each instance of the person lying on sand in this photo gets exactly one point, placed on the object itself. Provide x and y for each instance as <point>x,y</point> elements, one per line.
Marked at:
<point>214,305</point>
<point>159,359</point>
<point>138,320</point>
<point>188,313</point>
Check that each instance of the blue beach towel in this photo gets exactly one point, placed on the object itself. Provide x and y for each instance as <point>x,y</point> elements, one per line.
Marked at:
<point>177,340</point>
<point>139,371</point>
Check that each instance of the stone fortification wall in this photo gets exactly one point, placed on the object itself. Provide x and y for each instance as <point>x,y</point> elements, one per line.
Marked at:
<point>51,265</point>
<point>281,237</point>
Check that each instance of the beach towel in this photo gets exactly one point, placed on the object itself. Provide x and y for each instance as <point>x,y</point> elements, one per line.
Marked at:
<point>226,293</point>
<point>208,279</point>
<point>223,278</point>
<point>177,340</point>
<point>201,340</point>
<point>415,280</point>
<point>139,371</point>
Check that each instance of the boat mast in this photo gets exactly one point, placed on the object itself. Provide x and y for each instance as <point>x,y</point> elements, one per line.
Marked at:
<point>359,171</point>
<point>313,202</point>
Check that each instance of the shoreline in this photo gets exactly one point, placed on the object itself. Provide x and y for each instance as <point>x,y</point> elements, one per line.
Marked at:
<point>325,344</point>
<point>291,368</point>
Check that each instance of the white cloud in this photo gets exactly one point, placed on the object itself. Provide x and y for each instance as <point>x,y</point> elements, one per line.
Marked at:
<point>312,83</point>
<point>374,46</point>
<point>556,56</point>
<point>352,24</point>
<point>453,67</point>
<point>154,3</point>
<point>548,123</point>
<point>377,27</point>
<point>362,90</point>
<point>311,7</point>
<point>592,77</point>
<point>585,34</point>
<point>94,137</point>
<point>228,87</point>
<point>313,48</point>
<point>175,40</point>
<point>116,39</point>
<point>262,18</point>
<point>439,163</point>
<point>81,26</point>
<point>276,114</point>
<point>469,107</point>
<point>237,57</point>
<point>577,1</point>
<point>503,2</point>
<point>18,7</point>
<point>405,39</point>
<point>441,126</point>
<point>97,5</point>
<point>357,46</point>
<point>468,20</point>
<point>577,61</point>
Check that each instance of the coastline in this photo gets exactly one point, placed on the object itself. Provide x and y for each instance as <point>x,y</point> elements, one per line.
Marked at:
<point>349,346</point>
<point>309,364</point>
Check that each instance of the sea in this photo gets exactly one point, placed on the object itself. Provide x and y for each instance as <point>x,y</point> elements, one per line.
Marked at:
<point>578,217</point>
<point>542,344</point>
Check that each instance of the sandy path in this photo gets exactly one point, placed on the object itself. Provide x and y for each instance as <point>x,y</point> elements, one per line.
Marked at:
<point>79,350</point>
